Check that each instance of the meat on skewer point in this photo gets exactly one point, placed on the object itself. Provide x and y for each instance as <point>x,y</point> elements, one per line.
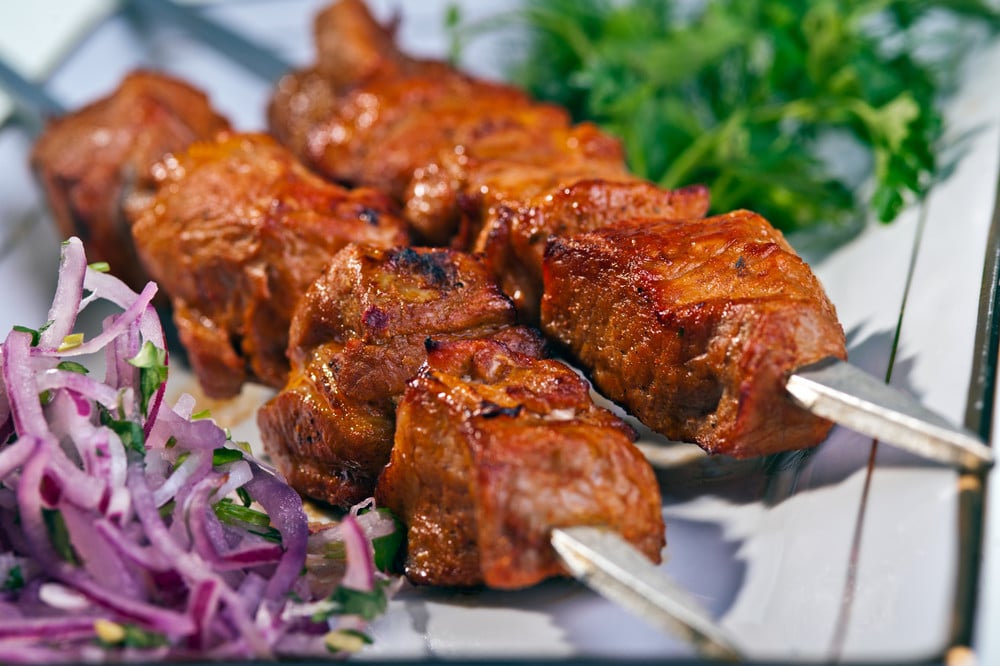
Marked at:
<point>694,326</point>
<point>493,450</point>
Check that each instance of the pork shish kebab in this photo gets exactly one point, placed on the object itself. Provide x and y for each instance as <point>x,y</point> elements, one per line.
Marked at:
<point>507,178</point>
<point>475,164</point>
<point>670,609</point>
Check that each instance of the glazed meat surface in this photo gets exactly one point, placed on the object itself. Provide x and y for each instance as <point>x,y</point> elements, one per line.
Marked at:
<point>694,327</point>
<point>92,160</point>
<point>474,164</point>
<point>514,238</point>
<point>357,336</point>
<point>235,233</point>
<point>493,450</point>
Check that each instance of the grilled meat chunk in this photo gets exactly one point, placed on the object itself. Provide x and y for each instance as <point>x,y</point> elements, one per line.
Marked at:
<point>463,156</point>
<point>357,336</point>
<point>235,233</point>
<point>92,160</point>
<point>694,327</point>
<point>493,450</point>
<point>514,239</point>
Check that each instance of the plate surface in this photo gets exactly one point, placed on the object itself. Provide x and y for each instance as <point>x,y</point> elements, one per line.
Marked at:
<point>855,552</point>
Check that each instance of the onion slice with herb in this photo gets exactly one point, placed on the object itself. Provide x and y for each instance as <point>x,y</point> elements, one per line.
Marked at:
<point>130,530</point>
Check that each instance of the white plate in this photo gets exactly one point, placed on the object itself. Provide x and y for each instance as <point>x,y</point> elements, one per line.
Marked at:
<point>800,557</point>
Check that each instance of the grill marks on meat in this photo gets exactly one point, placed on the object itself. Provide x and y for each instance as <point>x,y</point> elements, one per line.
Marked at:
<point>358,335</point>
<point>93,160</point>
<point>694,327</point>
<point>475,165</point>
<point>235,233</point>
<point>493,450</point>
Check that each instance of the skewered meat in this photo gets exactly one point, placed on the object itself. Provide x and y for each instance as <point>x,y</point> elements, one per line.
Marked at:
<point>514,239</point>
<point>465,157</point>
<point>92,160</point>
<point>235,233</point>
<point>493,450</point>
<point>357,336</point>
<point>694,326</point>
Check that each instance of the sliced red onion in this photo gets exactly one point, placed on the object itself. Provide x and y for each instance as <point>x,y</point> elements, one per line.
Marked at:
<point>103,532</point>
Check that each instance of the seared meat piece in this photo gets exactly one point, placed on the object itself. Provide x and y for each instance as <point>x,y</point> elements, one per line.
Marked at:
<point>452,149</point>
<point>694,327</point>
<point>92,160</point>
<point>235,233</point>
<point>358,335</point>
<point>514,239</point>
<point>493,450</point>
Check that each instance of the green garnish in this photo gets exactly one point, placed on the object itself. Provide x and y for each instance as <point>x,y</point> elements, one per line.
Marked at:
<point>59,535</point>
<point>225,456</point>
<point>73,366</point>
<point>14,580</point>
<point>35,334</point>
<point>114,634</point>
<point>130,432</point>
<point>748,96</point>
<point>386,547</point>
<point>367,604</point>
<point>100,266</point>
<point>152,364</point>
<point>232,513</point>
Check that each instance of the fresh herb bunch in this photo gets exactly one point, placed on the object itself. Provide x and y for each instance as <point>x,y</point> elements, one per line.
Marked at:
<point>746,96</point>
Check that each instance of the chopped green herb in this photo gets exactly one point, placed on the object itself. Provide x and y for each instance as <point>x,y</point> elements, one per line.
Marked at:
<point>73,366</point>
<point>203,414</point>
<point>152,364</point>
<point>59,535</point>
<point>367,604</point>
<point>14,580</point>
<point>130,432</point>
<point>244,496</point>
<point>224,456</point>
<point>232,513</point>
<point>35,334</point>
<point>346,640</point>
<point>114,634</point>
<point>387,547</point>
<point>100,266</point>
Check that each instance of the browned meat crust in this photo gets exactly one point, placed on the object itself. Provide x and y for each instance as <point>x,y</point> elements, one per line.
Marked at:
<point>513,239</point>
<point>358,335</point>
<point>493,450</point>
<point>694,326</point>
<point>90,161</point>
<point>466,158</point>
<point>236,231</point>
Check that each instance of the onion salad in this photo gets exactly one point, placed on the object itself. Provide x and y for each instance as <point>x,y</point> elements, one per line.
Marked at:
<point>132,530</point>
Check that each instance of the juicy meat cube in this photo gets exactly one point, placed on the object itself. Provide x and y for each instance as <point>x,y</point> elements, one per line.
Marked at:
<point>694,327</point>
<point>358,335</point>
<point>514,238</point>
<point>92,160</point>
<point>493,450</point>
<point>235,233</point>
